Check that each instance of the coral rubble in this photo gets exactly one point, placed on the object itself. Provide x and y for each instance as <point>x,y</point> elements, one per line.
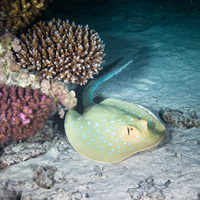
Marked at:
<point>62,51</point>
<point>23,112</point>
<point>176,118</point>
<point>19,13</point>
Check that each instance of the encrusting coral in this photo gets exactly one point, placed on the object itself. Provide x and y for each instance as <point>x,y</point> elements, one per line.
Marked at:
<point>19,13</point>
<point>23,112</point>
<point>62,51</point>
<point>65,99</point>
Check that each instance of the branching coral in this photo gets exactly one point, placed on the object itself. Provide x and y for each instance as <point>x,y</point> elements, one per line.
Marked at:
<point>22,112</point>
<point>62,51</point>
<point>19,13</point>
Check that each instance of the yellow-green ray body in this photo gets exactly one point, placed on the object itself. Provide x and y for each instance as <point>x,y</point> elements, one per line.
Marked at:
<point>112,130</point>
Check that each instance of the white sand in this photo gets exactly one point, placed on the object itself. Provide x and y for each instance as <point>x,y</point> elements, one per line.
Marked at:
<point>163,40</point>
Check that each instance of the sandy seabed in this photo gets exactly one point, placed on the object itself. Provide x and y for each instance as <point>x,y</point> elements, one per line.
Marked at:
<point>163,40</point>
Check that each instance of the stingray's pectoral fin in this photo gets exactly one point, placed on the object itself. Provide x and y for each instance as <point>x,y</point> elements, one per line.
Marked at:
<point>71,117</point>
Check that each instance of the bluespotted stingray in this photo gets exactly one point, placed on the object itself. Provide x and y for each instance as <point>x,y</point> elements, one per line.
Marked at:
<point>113,129</point>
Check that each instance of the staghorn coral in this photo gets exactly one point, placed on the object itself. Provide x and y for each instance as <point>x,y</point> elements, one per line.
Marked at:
<point>22,112</point>
<point>19,13</point>
<point>62,51</point>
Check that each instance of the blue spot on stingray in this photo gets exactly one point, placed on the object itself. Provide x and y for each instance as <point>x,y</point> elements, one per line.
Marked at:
<point>139,115</point>
<point>104,141</point>
<point>131,119</point>
<point>77,122</point>
<point>142,138</point>
<point>107,130</point>
<point>101,137</point>
<point>119,151</point>
<point>112,150</point>
<point>89,131</point>
<point>125,143</point>
<point>131,147</point>
<point>109,143</point>
<point>102,151</point>
<point>93,135</point>
<point>117,140</point>
<point>98,130</point>
<point>124,150</point>
<point>129,143</point>
<point>89,123</point>
<point>113,134</point>
<point>112,121</point>
<point>97,124</point>
<point>81,127</point>
<point>88,143</point>
<point>119,120</point>
<point>103,120</point>
<point>138,123</point>
<point>118,146</point>
<point>101,147</point>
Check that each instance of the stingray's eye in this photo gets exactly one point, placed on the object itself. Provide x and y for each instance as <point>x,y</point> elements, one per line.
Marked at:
<point>129,130</point>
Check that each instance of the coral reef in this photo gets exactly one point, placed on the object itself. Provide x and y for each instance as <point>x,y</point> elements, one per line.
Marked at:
<point>12,74</point>
<point>22,112</point>
<point>19,13</point>
<point>176,118</point>
<point>62,51</point>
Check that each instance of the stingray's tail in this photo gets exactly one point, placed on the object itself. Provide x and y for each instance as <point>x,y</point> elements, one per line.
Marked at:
<point>87,94</point>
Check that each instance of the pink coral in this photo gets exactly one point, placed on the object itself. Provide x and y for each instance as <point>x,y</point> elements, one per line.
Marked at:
<point>22,112</point>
